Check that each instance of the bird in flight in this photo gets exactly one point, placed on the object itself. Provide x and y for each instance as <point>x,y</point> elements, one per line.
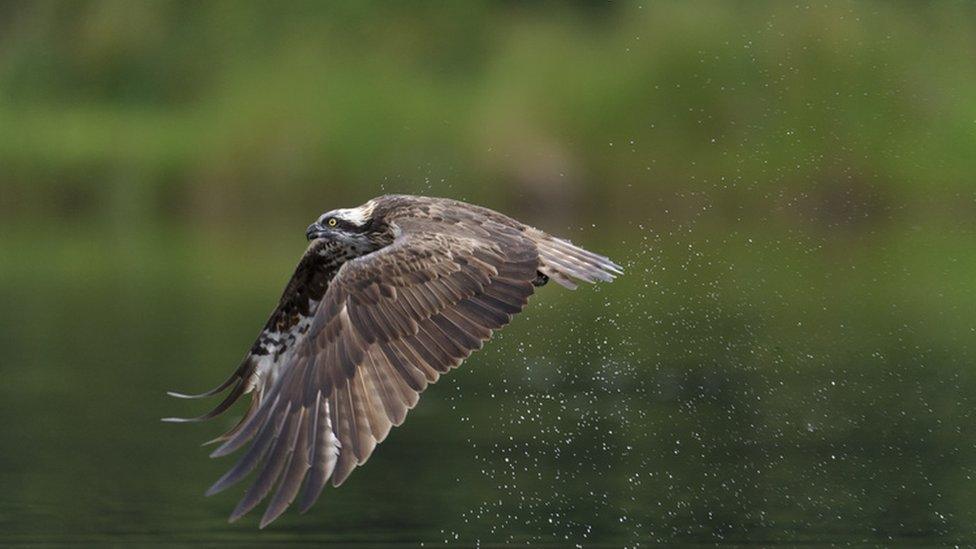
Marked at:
<point>387,297</point>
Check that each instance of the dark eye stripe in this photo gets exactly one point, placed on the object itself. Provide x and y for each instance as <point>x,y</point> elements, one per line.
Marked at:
<point>339,223</point>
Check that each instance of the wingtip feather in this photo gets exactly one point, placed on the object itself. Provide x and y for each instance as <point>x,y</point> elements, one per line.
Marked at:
<point>270,515</point>
<point>222,451</point>
<point>187,396</point>
<point>179,419</point>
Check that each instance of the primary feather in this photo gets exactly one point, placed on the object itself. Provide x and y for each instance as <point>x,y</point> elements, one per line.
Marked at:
<point>387,297</point>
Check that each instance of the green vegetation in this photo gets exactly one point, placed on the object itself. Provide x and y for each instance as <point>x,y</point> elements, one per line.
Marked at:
<point>788,359</point>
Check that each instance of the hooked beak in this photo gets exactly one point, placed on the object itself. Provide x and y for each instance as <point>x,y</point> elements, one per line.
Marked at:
<point>315,231</point>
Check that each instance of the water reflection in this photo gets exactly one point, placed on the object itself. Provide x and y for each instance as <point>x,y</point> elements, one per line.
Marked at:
<point>699,398</point>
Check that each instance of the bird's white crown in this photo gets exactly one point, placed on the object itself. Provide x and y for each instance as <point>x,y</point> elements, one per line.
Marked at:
<point>357,216</point>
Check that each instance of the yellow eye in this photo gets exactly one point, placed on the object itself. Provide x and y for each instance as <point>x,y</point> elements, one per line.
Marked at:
<point>332,222</point>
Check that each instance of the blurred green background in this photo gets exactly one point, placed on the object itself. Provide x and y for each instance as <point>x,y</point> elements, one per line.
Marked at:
<point>789,357</point>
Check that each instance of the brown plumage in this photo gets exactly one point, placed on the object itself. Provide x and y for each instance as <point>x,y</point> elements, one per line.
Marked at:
<point>387,297</point>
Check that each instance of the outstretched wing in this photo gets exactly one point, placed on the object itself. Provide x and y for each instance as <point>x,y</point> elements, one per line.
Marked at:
<point>389,324</point>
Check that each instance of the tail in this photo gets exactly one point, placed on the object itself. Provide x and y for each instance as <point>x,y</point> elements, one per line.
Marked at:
<point>563,262</point>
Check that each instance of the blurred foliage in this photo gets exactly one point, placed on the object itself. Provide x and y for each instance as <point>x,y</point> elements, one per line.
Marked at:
<point>788,359</point>
<point>122,109</point>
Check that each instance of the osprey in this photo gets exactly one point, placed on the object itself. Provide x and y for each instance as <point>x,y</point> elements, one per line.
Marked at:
<point>387,297</point>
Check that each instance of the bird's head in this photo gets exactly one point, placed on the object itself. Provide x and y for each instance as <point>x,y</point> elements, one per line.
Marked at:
<point>352,227</point>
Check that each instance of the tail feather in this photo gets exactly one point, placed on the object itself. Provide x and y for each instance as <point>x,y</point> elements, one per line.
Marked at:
<point>563,262</point>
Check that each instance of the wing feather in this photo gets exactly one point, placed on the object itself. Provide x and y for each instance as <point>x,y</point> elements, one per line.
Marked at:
<point>297,465</point>
<point>341,429</point>
<point>379,422</point>
<point>280,447</point>
<point>394,405</point>
<point>255,453</point>
<point>411,376</point>
<point>323,456</point>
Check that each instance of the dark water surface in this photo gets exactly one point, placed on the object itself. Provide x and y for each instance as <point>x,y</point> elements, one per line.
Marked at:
<point>710,395</point>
